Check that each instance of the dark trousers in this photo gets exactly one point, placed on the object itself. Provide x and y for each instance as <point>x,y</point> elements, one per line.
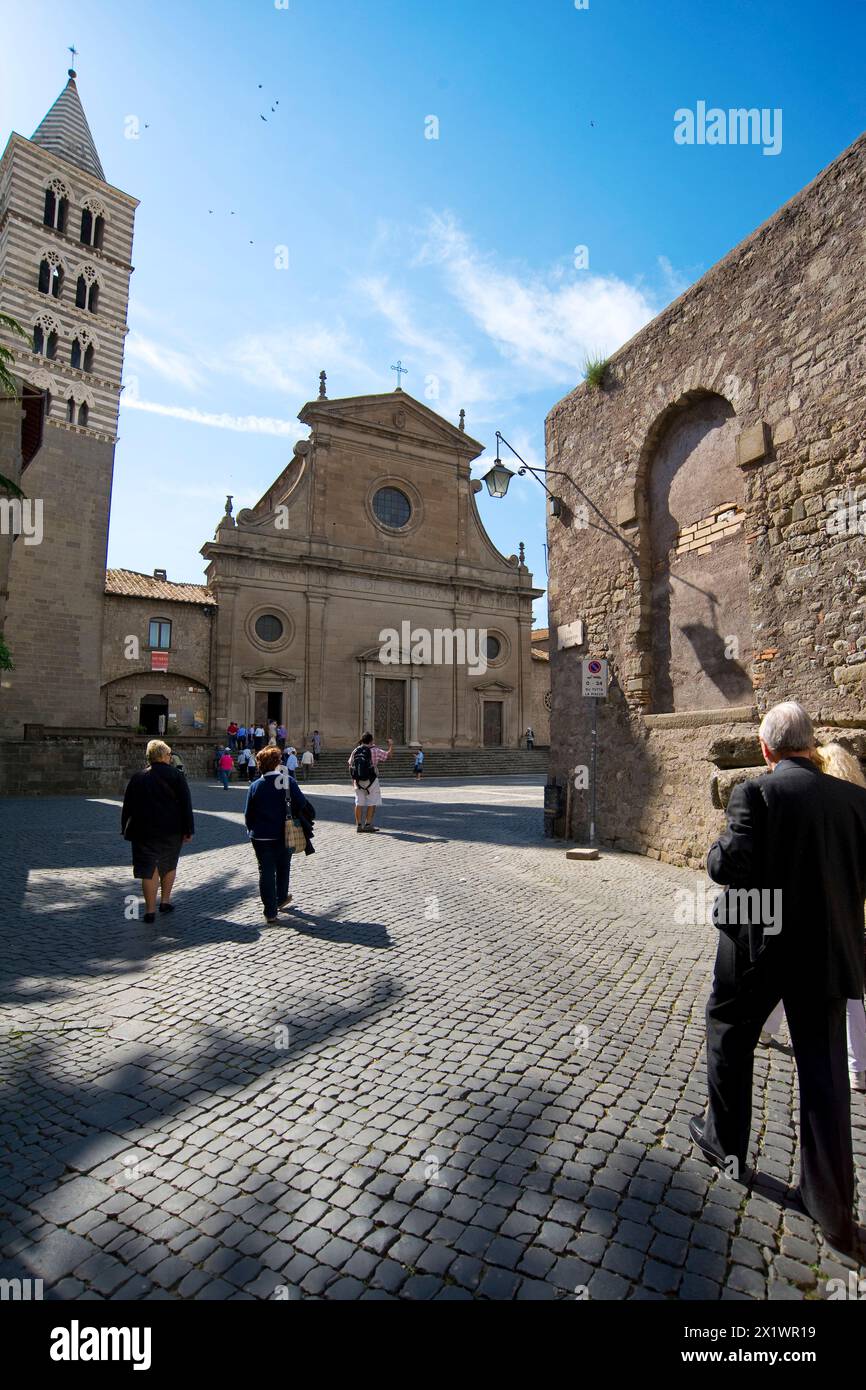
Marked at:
<point>275,863</point>
<point>743,997</point>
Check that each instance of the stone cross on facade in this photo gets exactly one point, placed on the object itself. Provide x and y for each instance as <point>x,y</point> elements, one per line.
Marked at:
<point>401,371</point>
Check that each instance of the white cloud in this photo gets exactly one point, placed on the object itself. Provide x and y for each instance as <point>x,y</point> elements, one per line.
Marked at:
<point>177,367</point>
<point>458,383</point>
<point>290,359</point>
<point>675,281</point>
<point>543,323</point>
<point>240,424</point>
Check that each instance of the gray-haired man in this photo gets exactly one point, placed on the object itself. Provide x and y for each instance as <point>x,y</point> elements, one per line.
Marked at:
<point>796,840</point>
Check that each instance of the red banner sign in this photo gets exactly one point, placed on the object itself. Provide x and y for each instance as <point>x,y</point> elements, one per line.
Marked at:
<point>159,661</point>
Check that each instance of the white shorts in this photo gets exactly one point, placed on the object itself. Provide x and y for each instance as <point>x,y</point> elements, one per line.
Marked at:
<point>372,796</point>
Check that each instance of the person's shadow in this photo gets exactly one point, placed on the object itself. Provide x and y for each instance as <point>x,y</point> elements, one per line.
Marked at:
<point>331,928</point>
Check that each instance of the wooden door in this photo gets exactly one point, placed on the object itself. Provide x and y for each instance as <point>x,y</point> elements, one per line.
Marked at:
<point>492,723</point>
<point>390,717</point>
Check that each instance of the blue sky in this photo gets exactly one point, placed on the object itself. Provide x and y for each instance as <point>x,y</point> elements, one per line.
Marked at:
<point>456,254</point>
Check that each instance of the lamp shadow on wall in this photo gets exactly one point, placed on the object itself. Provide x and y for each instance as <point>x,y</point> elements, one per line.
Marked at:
<point>729,677</point>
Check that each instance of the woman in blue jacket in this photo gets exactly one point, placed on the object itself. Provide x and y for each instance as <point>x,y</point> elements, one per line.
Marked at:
<point>265,814</point>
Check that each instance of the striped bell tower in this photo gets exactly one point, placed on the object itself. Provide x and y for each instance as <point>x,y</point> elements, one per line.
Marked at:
<point>65,264</point>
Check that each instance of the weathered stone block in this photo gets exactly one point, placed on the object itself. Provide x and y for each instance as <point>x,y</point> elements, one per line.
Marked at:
<point>753,443</point>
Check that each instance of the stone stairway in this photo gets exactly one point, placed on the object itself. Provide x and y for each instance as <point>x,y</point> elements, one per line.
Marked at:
<point>442,762</point>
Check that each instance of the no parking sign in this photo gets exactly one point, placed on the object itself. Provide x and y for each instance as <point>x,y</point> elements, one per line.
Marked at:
<point>595,677</point>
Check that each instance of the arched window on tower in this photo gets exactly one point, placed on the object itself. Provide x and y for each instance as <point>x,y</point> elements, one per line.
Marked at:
<point>70,411</point>
<point>56,205</point>
<point>75,355</point>
<point>88,358</point>
<point>82,414</point>
<point>87,293</point>
<point>50,278</point>
<point>92,226</point>
<point>45,337</point>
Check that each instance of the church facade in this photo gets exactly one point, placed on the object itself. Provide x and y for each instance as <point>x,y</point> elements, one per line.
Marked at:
<point>65,249</point>
<point>362,591</point>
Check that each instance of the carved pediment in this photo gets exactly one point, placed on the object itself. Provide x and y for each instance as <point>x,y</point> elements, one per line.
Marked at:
<point>268,673</point>
<point>394,411</point>
<point>493,688</point>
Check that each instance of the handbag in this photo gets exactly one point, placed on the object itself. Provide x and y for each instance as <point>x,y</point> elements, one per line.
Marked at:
<point>295,838</point>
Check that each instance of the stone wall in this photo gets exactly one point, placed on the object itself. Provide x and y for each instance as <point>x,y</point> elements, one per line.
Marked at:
<point>70,762</point>
<point>725,568</point>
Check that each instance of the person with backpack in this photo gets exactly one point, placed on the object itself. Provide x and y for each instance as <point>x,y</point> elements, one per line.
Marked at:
<point>363,762</point>
<point>247,759</point>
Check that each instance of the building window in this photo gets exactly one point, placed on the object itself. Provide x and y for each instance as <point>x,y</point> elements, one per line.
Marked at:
<point>269,628</point>
<point>44,344</point>
<point>50,279</point>
<point>494,647</point>
<point>92,228</point>
<point>81,358</point>
<point>160,634</point>
<point>392,508</point>
<point>56,208</point>
<point>70,411</point>
<point>83,413</point>
<point>86,295</point>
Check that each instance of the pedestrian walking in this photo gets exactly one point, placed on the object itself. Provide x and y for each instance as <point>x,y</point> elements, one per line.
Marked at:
<point>258,738</point>
<point>418,766</point>
<point>273,801</point>
<point>247,761</point>
<point>227,764</point>
<point>232,732</point>
<point>530,737</point>
<point>836,761</point>
<point>363,764</point>
<point>316,742</point>
<point>290,758</point>
<point>281,736</point>
<point>157,819</point>
<point>307,761</point>
<point>793,862</point>
<point>242,736</point>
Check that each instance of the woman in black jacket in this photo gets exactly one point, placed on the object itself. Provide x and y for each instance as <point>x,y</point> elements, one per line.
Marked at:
<point>157,818</point>
<point>269,800</point>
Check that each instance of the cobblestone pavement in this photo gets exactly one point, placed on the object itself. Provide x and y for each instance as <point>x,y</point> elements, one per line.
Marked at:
<point>461,1067</point>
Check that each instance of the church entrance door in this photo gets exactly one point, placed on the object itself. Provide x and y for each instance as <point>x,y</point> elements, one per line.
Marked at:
<point>390,716</point>
<point>492,723</point>
<point>268,706</point>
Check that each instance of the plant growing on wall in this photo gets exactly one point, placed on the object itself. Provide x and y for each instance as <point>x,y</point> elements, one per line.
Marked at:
<point>594,369</point>
<point>5,657</point>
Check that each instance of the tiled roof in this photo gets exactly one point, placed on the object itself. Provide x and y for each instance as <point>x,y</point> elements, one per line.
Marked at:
<point>540,634</point>
<point>64,131</point>
<point>131,584</point>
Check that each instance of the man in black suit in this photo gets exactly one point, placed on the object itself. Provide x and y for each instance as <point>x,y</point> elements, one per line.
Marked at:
<point>791,927</point>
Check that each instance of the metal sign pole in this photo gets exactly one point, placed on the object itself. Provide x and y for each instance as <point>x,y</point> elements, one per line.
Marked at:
<point>592,775</point>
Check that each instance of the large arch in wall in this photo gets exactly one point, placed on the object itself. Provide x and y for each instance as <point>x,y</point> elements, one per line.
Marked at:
<point>696,627</point>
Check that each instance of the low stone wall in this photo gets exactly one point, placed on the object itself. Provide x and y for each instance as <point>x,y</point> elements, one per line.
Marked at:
<point>72,762</point>
<point>664,780</point>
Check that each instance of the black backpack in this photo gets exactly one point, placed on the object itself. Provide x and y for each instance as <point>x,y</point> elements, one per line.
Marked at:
<point>361,766</point>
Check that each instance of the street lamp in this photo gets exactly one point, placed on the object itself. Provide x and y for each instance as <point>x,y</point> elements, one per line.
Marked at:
<point>499,476</point>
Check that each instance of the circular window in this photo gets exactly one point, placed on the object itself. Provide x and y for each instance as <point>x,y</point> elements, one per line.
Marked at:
<point>269,628</point>
<point>392,508</point>
<point>494,647</point>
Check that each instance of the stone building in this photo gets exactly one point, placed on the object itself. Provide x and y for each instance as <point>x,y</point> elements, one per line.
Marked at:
<point>156,653</point>
<point>540,696</point>
<point>372,528</point>
<point>65,247</point>
<point>721,565</point>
